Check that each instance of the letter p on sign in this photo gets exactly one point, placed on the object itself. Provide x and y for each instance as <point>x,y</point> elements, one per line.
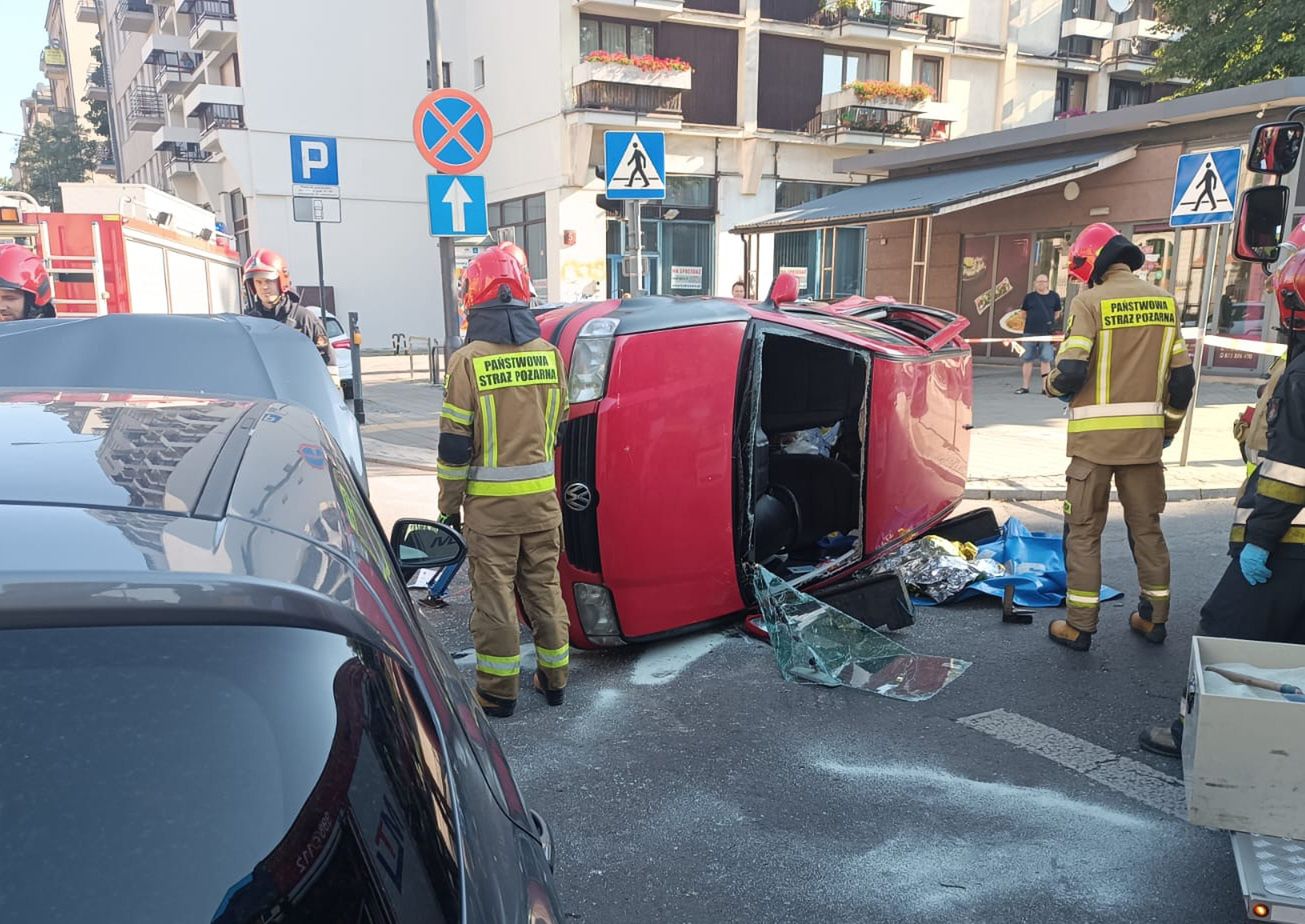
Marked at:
<point>313,161</point>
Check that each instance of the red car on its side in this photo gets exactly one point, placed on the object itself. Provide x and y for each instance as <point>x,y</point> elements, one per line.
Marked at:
<point>671,471</point>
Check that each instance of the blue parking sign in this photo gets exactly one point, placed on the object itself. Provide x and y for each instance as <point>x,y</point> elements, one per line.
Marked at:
<point>313,161</point>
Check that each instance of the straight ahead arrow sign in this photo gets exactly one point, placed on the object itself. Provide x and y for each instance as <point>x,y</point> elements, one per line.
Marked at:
<point>457,198</point>
<point>457,206</point>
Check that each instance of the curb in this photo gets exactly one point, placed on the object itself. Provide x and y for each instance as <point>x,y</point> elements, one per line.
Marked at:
<point>379,451</point>
<point>1029,493</point>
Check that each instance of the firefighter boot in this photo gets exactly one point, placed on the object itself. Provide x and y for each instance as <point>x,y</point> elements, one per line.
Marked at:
<point>553,697</point>
<point>1062,633</point>
<point>496,707</point>
<point>1165,740</point>
<point>1153,632</point>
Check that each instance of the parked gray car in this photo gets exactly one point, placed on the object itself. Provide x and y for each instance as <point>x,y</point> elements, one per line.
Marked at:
<point>218,704</point>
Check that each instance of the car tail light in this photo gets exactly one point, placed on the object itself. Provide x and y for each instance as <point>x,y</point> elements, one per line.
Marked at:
<point>597,613</point>
<point>341,344</point>
<point>590,359</point>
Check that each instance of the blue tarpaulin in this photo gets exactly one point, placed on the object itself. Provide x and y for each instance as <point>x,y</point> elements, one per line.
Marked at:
<point>1035,566</point>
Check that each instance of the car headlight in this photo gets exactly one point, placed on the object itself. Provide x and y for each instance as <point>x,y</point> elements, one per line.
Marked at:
<point>590,359</point>
<point>597,613</point>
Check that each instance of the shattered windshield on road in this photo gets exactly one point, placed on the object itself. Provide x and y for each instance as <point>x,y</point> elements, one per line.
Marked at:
<point>816,643</point>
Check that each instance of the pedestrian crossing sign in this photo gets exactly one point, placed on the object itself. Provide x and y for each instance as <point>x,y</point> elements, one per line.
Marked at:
<point>636,165</point>
<point>1205,188</point>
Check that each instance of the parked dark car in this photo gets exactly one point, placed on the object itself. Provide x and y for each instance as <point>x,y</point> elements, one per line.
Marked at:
<point>225,354</point>
<point>217,702</point>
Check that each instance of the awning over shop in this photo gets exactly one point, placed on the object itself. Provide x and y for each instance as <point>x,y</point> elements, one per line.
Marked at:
<point>936,193</point>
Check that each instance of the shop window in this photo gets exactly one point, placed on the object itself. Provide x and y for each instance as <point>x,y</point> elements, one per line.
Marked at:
<point>679,236</point>
<point>929,71</point>
<point>829,265</point>
<point>843,67</point>
<point>524,221</point>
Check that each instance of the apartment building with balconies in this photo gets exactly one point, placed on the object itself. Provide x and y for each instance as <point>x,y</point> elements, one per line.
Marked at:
<point>205,94</point>
<point>758,99</point>
<point>1105,54</point>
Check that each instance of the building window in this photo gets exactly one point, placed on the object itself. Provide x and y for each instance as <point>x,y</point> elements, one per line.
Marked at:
<point>828,263</point>
<point>1081,9</point>
<point>940,26</point>
<point>524,222</point>
<point>844,67</point>
<point>929,71</point>
<point>1071,94</point>
<point>1125,93</point>
<point>240,223</point>
<point>616,36</point>
<point>446,73</point>
<point>478,73</point>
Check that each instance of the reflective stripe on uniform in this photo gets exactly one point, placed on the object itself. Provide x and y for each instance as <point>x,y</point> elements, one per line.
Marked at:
<point>1103,367</point>
<point>451,472</point>
<point>1083,598</point>
<point>1242,516</point>
<point>553,657</point>
<point>456,414</point>
<point>1156,593</point>
<point>1126,409</point>
<point>550,420</point>
<point>1162,376</point>
<point>1179,349</point>
<point>1147,422</point>
<point>1281,471</point>
<point>1175,414</point>
<point>489,436</point>
<point>1295,535</point>
<point>1076,342</point>
<point>510,488</point>
<point>1280,490</point>
<point>506,473</point>
<point>498,667</point>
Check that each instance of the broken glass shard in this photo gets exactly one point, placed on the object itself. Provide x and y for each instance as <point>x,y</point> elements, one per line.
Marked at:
<point>817,643</point>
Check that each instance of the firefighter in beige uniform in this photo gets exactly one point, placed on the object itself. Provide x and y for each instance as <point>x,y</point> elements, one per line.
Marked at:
<point>1124,370</point>
<point>504,401</point>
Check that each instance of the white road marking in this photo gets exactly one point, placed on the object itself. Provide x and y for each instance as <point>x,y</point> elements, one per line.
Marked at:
<point>1124,775</point>
<point>663,663</point>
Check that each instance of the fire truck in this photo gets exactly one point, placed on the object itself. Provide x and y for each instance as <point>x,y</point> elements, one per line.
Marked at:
<point>106,263</point>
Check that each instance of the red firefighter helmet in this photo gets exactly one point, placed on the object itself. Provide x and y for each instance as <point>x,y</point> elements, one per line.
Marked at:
<point>22,270</point>
<point>495,277</point>
<point>267,264</point>
<point>1097,248</point>
<point>1289,286</point>
<point>520,256</point>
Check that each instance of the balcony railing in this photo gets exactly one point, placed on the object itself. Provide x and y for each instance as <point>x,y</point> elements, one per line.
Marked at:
<point>213,116</point>
<point>618,97</point>
<point>892,14</point>
<point>201,10</point>
<point>88,12</point>
<point>127,8</point>
<point>186,153</point>
<point>876,120</point>
<point>145,105</point>
<point>53,59</point>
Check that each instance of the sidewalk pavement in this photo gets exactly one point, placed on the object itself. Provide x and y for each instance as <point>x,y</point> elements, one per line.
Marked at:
<point>1017,446</point>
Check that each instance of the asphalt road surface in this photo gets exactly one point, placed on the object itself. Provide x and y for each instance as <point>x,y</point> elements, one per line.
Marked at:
<point>687,782</point>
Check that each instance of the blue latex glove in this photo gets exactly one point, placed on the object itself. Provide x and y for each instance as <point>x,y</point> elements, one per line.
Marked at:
<point>1169,441</point>
<point>1254,562</point>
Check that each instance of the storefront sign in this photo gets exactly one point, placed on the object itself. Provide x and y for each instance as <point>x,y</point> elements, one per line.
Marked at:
<point>686,277</point>
<point>986,300</point>
<point>798,271</point>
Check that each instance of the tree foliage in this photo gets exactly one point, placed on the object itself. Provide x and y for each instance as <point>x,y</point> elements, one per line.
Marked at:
<point>97,111</point>
<point>52,154</point>
<point>1230,43</point>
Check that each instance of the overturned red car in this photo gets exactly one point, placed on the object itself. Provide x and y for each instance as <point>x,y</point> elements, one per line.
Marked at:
<point>710,434</point>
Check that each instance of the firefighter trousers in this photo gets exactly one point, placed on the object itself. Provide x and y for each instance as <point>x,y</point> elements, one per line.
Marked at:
<point>503,570</point>
<point>1087,504</point>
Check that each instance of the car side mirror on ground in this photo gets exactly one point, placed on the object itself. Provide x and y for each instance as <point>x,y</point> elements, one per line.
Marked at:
<point>426,544</point>
<point>1261,219</point>
<point>1275,148</point>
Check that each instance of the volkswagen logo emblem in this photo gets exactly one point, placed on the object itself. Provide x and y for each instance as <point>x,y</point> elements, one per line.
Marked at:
<point>578,496</point>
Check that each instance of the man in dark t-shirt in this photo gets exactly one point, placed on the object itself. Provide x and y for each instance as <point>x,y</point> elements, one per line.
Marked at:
<point>1041,309</point>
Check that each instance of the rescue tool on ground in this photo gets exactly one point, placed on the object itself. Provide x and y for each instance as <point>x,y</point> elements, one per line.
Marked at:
<point>1124,371</point>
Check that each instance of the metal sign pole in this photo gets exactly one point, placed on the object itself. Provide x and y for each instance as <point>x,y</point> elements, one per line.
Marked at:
<point>1212,252</point>
<point>452,337</point>
<point>321,282</point>
<point>637,221</point>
